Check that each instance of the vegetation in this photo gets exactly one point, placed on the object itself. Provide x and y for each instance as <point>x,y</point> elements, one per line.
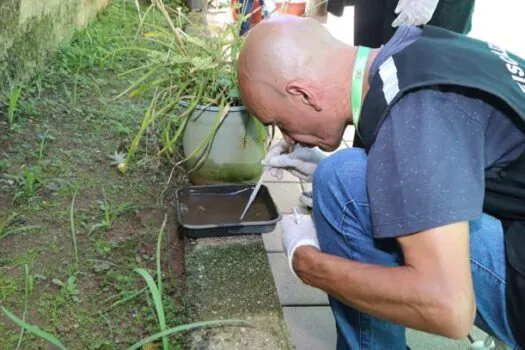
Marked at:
<point>57,133</point>
<point>188,67</point>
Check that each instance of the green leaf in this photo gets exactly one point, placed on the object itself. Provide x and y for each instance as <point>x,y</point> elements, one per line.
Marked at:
<point>33,329</point>
<point>186,327</point>
<point>157,300</point>
<point>234,92</point>
<point>203,63</point>
<point>159,267</point>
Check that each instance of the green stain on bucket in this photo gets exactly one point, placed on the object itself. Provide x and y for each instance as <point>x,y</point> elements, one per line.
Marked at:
<point>213,173</point>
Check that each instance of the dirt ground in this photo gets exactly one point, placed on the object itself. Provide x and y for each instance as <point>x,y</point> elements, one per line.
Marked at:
<point>67,123</point>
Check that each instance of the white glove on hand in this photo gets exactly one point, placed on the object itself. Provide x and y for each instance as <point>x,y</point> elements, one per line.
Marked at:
<point>301,162</point>
<point>281,147</point>
<point>297,234</point>
<point>414,12</point>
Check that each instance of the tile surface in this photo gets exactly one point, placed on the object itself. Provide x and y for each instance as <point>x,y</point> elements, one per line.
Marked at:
<point>422,340</point>
<point>285,195</point>
<point>290,289</point>
<point>311,328</point>
<point>272,240</point>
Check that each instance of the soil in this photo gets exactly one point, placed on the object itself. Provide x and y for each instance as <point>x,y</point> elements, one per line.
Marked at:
<point>98,301</point>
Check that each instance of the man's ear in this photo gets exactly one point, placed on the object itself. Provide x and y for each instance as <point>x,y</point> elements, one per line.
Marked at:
<point>307,94</point>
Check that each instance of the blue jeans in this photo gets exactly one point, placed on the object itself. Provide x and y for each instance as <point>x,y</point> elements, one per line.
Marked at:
<point>342,218</point>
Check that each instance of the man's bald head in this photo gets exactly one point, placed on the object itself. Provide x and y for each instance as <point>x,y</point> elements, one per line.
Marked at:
<point>285,46</point>
<point>289,74</point>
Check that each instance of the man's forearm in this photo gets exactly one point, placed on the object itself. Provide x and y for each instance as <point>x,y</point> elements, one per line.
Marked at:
<point>400,294</point>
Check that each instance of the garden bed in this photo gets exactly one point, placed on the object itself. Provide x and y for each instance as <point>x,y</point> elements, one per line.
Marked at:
<point>66,123</point>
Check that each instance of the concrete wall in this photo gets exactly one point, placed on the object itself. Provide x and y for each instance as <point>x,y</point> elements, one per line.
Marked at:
<point>31,29</point>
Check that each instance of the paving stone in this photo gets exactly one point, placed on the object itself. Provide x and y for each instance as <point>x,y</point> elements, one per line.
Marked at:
<point>422,340</point>
<point>311,328</point>
<point>285,195</point>
<point>290,289</point>
<point>272,240</point>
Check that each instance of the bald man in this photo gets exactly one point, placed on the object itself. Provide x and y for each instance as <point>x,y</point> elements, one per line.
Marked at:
<point>422,225</point>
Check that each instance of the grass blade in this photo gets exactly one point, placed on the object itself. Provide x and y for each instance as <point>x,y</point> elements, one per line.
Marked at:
<point>159,271</point>
<point>14,231</point>
<point>186,327</point>
<point>34,330</point>
<point>26,301</point>
<point>72,224</point>
<point>156,300</point>
<point>115,304</point>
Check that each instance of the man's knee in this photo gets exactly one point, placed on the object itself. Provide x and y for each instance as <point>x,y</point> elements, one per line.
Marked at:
<point>336,173</point>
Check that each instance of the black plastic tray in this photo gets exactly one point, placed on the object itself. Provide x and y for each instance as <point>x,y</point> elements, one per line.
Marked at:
<point>219,193</point>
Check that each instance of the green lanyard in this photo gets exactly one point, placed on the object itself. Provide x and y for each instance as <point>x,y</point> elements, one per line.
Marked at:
<point>358,78</point>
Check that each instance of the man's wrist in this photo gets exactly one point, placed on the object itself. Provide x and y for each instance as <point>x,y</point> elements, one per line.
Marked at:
<point>303,258</point>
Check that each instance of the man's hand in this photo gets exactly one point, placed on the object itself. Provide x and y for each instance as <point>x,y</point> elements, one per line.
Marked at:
<point>414,12</point>
<point>297,234</point>
<point>431,292</point>
<point>301,162</point>
<point>276,150</point>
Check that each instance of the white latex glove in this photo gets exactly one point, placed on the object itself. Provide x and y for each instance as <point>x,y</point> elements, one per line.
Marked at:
<point>279,148</point>
<point>414,12</point>
<point>301,162</point>
<point>297,234</point>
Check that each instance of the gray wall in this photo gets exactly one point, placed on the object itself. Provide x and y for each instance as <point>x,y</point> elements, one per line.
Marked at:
<point>31,29</point>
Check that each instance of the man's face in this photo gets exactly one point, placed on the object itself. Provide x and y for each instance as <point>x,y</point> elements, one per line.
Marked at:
<point>298,121</point>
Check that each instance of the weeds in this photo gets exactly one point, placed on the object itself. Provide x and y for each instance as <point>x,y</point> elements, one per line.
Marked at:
<point>110,213</point>
<point>69,288</point>
<point>43,138</point>
<point>14,95</point>
<point>28,182</point>
<point>156,294</point>
<point>9,227</point>
<point>33,329</point>
<point>84,134</point>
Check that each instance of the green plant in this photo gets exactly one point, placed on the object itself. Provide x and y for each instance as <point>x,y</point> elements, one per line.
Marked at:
<point>69,288</point>
<point>72,226</point>
<point>33,329</point>
<point>186,69</point>
<point>14,95</point>
<point>109,213</point>
<point>42,138</point>
<point>156,294</point>
<point>28,288</point>
<point>9,227</point>
<point>28,182</point>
